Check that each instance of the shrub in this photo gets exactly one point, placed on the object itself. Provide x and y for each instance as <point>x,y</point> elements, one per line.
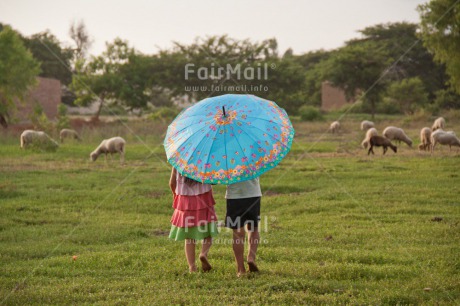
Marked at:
<point>62,119</point>
<point>389,106</point>
<point>164,114</point>
<point>310,113</point>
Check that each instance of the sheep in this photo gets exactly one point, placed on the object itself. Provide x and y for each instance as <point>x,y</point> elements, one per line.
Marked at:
<point>439,123</point>
<point>37,138</point>
<point>394,133</point>
<point>444,138</point>
<point>365,125</point>
<point>379,141</point>
<point>111,145</point>
<point>334,127</point>
<point>68,133</point>
<point>370,132</point>
<point>425,139</point>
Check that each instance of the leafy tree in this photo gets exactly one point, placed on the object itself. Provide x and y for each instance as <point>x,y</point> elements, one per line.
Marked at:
<point>279,79</point>
<point>100,78</point>
<point>55,62</point>
<point>314,64</point>
<point>79,34</point>
<point>409,94</point>
<point>411,58</point>
<point>446,99</point>
<point>440,32</point>
<point>18,71</point>
<point>359,68</point>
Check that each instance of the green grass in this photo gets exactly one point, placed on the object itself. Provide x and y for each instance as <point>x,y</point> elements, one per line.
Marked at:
<point>383,248</point>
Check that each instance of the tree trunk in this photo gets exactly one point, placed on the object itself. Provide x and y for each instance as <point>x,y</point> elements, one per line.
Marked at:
<point>3,121</point>
<point>372,110</point>
<point>96,115</point>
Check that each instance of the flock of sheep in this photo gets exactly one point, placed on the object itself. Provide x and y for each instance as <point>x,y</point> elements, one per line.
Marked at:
<point>429,138</point>
<point>42,140</point>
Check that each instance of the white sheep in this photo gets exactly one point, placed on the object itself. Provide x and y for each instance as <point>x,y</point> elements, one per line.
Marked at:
<point>37,138</point>
<point>395,133</point>
<point>439,123</point>
<point>444,138</point>
<point>68,133</point>
<point>111,145</point>
<point>370,132</point>
<point>425,139</point>
<point>334,127</point>
<point>365,125</point>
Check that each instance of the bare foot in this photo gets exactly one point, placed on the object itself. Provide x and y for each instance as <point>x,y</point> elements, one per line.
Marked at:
<point>241,274</point>
<point>205,264</point>
<point>252,266</point>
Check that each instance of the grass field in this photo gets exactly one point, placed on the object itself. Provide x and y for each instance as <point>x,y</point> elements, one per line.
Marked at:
<point>338,226</point>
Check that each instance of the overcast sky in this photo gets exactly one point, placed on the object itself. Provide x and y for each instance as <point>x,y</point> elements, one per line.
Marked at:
<point>149,25</point>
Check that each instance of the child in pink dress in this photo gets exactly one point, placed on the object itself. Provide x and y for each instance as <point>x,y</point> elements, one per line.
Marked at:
<point>194,217</point>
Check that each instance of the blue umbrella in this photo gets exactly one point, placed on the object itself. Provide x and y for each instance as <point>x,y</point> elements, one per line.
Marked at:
<point>228,139</point>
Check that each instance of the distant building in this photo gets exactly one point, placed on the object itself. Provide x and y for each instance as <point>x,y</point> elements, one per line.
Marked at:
<point>332,98</point>
<point>47,94</point>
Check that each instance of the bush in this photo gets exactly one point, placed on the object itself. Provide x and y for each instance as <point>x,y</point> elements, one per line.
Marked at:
<point>310,113</point>
<point>389,106</point>
<point>353,108</point>
<point>43,145</point>
<point>164,114</point>
<point>62,119</point>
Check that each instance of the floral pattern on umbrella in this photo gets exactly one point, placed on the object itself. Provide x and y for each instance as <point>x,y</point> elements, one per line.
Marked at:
<point>228,139</point>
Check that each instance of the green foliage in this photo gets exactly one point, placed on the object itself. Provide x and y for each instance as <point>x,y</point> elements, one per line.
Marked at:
<point>315,64</point>
<point>408,94</point>
<point>40,120</point>
<point>411,59</point>
<point>100,79</point>
<point>310,113</point>
<point>55,62</point>
<point>389,106</point>
<point>43,145</point>
<point>440,32</point>
<point>164,114</point>
<point>63,120</point>
<point>447,99</point>
<point>359,67</point>
<point>18,70</point>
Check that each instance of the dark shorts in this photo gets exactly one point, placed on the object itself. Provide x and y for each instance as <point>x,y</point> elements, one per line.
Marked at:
<point>242,211</point>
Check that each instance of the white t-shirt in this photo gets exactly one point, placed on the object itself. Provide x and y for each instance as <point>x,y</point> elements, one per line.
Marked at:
<point>246,189</point>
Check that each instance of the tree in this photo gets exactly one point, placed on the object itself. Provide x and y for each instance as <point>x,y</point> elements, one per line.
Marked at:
<point>359,68</point>
<point>412,59</point>
<point>79,34</point>
<point>409,94</point>
<point>314,63</point>
<point>100,80</point>
<point>18,71</point>
<point>440,32</point>
<point>55,61</point>
<point>219,64</point>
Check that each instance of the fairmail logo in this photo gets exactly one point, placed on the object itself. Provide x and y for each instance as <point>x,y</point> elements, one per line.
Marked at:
<point>218,72</point>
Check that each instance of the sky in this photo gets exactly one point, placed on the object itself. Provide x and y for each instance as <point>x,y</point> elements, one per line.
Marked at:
<point>152,25</point>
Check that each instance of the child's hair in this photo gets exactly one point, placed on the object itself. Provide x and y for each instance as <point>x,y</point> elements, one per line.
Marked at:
<point>189,181</point>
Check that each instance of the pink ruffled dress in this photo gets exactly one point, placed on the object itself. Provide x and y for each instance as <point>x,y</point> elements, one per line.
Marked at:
<point>194,216</point>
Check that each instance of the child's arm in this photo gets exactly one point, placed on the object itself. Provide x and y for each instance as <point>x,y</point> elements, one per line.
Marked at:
<point>172,181</point>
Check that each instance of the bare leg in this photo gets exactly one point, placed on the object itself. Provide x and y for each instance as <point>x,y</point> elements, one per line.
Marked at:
<point>238,249</point>
<point>190,254</point>
<point>207,242</point>
<point>253,238</point>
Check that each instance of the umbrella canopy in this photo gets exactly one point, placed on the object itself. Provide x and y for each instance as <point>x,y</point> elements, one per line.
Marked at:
<point>228,139</point>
